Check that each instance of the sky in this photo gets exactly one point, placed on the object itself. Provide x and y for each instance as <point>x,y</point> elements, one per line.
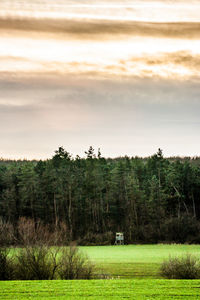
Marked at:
<point>122,76</point>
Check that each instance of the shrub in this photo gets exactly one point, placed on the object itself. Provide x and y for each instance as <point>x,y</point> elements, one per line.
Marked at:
<point>36,233</point>
<point>185,267</point>
<point>6,265</point>
<point>74,265</point>
<point>41,263</point>
<point>36,263</point>
<point>33,233</point>
<point>7,236</point>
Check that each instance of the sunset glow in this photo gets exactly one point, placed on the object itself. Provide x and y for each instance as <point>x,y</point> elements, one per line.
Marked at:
<point>86,43</point>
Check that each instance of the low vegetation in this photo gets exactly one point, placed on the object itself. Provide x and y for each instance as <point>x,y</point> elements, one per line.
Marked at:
<point>36,263</point>
<point>128,261</point>
<point>184,267</point>
<point>101,289</point>
<point>117,261</point>
<point>75,265</point>
<point>6,265</point>
<point>136,261</point>
<point>41,262</point>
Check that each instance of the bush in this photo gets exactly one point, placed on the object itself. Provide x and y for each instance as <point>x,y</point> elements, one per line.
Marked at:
<point>7,236</point>
<point>185,267</point>
<point>42,263</point>
<point>6,265</point>
<point>36,263</point>
<point>74,265</point>
<point>36,233</point>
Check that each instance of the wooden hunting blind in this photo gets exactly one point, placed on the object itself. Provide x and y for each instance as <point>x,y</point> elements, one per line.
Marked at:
<point>119,239</point>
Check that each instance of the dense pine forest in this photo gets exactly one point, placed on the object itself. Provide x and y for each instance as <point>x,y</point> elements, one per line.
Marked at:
<point>153,199</point>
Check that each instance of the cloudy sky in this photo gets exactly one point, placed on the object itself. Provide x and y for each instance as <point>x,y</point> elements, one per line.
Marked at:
<point>120,75</point>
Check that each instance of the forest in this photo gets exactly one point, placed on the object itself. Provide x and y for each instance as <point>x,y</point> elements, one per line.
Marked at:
<point>151,200</point>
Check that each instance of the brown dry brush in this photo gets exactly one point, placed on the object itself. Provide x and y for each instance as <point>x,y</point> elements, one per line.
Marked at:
<point>37,259</point>
<point>184,267</point>
<point>36,263</point>
<point>43,262</point>
<point>30,232</point>
<point>35,233</point>
<point>7,234</point>
<point>40,256</point>
<point>6,265</point>
<point>75,265</point>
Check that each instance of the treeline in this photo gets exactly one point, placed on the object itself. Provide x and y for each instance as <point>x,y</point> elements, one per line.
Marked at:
<point>150,199</point>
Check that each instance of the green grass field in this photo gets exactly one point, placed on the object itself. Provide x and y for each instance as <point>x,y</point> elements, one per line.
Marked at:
<point>128,265</point>
<point>101,289</point>
<point>135,261</point>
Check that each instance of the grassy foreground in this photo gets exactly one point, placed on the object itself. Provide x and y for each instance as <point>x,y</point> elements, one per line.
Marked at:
<point>101,289</point>
<point>132,261</point>
<point>135,261</point>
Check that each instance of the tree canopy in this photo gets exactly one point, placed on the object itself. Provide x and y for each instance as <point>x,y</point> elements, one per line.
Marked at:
<point>150,199</point>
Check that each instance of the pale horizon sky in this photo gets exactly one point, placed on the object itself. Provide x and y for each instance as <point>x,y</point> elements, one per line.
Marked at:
<point>122,76</point>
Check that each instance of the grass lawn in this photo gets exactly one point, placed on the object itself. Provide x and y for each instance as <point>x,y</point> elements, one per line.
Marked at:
<point>124,262</point>
<point>101,289</point>
<point>135,261</point>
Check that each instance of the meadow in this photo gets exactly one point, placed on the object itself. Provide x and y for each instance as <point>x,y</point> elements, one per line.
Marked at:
<point>135,261</point>
<point>133,272</point>
<point>101,289</point>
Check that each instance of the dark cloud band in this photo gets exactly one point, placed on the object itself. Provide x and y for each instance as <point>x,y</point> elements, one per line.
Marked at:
<point>90,27</point>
